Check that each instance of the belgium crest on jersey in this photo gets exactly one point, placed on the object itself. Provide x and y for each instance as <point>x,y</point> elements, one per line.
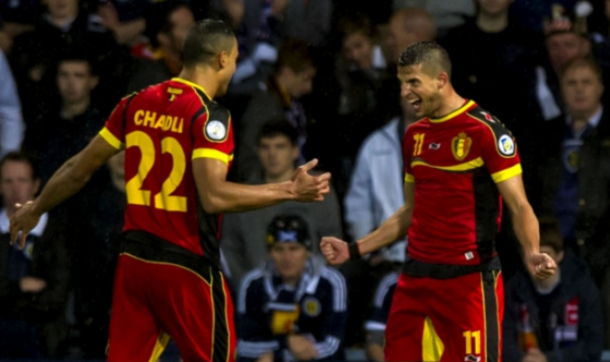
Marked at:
<point>460,146</point>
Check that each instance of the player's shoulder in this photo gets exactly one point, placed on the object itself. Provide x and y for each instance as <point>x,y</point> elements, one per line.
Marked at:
<point>419,125</point>
<point>218,112</point>
<point>486,120</point>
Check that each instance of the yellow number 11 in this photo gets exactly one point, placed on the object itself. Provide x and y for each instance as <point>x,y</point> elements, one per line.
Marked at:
<point>472,337</point>
<point>419,142</point>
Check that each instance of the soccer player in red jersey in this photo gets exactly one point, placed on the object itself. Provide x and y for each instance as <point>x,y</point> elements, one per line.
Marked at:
<point>179,146</point>
<point>460,162</point>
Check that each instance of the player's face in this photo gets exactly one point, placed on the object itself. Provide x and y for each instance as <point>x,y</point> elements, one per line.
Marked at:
<point>229,69</point>
<point>18,184</point>
<point>494,7</point>
<point>182,19</point>
<point>564,47</point>
<point>62,8</point>
<point>299,83</point>
<point>75,82</point>
<point>277,155</point>
<point>420,90</point>
<point>582,90</point>
<point>358,50</point>
<point>290,259</point>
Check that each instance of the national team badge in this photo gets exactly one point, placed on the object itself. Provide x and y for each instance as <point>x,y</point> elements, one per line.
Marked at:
<point>311,307</point>
<point>460,146</point>
<point>215,130</point>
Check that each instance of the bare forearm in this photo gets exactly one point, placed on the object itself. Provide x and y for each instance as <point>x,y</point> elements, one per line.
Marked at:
<point>392,229</point>
<point>63,184</point>
<point>526,227</point>
<point>234,197</point>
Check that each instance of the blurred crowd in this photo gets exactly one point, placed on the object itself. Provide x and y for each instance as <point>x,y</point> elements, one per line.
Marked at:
<point>314,79</point>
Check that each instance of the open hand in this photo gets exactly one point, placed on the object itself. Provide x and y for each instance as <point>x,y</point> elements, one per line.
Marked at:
<point>306,187</point>
<point>334,250</point>
<point>22,223</point>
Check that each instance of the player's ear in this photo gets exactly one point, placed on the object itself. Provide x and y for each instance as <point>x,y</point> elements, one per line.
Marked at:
<point>442,79</point>
<point>223,59</point>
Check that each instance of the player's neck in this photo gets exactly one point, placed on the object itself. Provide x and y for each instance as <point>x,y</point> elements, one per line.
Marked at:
<point>449,104</point>
<point>282,177</point>
<point>492,23</point>
<point>202,77</point>
<point>73,110</point>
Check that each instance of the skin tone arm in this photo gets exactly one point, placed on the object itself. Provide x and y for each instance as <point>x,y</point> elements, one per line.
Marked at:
<point>396,227</point>
<point>218,195</point>
<point>526,228</point>
<point>67,180</point>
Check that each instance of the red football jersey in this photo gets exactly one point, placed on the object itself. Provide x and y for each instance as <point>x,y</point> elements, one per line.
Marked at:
<point>162,129</point>
<point>455,163</point>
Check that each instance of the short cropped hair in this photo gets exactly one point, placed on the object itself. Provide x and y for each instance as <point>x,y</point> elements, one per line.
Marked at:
<point>205,40</point>
<point>356,23</point>
<point>294,54</point>
<point>584,62</point>
<point>279,127</point>
<point>15,156</point>
<point>428,54</point>
<point>550,234</point>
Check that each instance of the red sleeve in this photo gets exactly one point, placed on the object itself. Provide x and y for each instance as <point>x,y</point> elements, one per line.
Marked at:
<point>213,134</point>
<point>500,152</point>
<point>407,151</point>
<point>113,131</point>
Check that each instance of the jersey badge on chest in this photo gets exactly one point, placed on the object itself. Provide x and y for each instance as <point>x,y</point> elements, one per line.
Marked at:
<point>460,146</point>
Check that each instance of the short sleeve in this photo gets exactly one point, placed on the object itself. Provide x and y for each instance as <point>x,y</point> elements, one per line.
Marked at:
<point>500,152</point>
<point>113,131</point>
<point>213,134</point>
<point>407,151</point>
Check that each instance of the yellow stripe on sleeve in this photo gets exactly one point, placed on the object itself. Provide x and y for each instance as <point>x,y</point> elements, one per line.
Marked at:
<point>507,173</point>
<point>212,153</point>
<point>110,138</point>
<point>409,178</point>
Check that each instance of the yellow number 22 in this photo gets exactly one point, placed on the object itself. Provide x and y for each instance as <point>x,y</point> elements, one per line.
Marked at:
<point>164,200</point>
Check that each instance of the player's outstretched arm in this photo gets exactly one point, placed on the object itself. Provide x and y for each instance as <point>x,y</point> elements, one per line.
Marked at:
<point>526,228</point>
<point>218,195</point>
<point>65,182</point>
<point>394,228</point>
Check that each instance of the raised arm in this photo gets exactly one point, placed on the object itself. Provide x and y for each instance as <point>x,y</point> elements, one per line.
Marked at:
<point>65,182</point>
<point>396,227</point>
<point>218,195</point>
<point>526,227</point>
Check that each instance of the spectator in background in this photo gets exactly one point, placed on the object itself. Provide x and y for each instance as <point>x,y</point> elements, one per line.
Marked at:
<point>293,308</point>
<point>279,99</point>
<point>16,18</point>
<point>446,14</point>
<point>407,26</point>
<point>575,172</point>
<point>125,18</point>
<point>375,325</point>
<point>64,28</point>
<point>242,233</point>
<point>491,50</point>
<point>530,14</point>
<point>563,44</point>
<point>67,127</point>
<point>93,284</point>
<point>11,123</point>
<point>370,200</point>
<point>34,281</point>
<point>556,319</point>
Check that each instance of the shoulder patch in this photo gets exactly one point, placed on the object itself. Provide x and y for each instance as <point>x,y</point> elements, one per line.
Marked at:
<point>216,128</point>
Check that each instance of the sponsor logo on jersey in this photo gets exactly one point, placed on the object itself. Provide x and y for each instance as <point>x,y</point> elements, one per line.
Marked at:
<point>460,146</point>
<point>506,145</point>
<point>215,130</point>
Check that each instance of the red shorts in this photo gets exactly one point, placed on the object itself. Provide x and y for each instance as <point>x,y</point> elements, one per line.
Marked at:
<point>446,320</point>
<point>154,300</point>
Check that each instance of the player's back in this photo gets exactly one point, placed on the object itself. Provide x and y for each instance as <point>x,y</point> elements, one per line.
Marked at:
<point>163,128</point>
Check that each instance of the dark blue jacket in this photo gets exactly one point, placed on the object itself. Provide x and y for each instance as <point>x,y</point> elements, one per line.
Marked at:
<point>575,332</point>
<point>268,310</point>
